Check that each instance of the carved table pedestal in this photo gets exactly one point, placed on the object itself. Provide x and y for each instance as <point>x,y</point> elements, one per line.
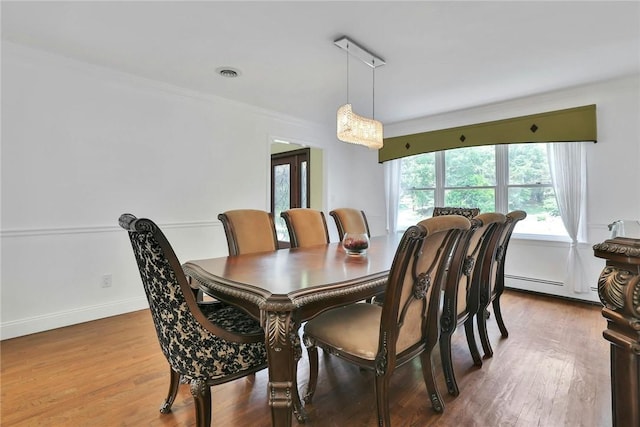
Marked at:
<point>619,291</point>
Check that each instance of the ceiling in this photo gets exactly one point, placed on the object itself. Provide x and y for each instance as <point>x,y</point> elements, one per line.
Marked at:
<point>440,56</point>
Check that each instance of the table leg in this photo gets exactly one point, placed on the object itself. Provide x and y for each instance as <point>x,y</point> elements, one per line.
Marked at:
<point>283,352</point>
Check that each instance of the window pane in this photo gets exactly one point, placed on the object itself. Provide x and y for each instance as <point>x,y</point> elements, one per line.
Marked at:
<point>542,210</point>
<point>470,166</point>
<point>483,198</point>
<point>418,171</point>
<point>528,164</point>
<point>414,207</point>
<point>417,189</point>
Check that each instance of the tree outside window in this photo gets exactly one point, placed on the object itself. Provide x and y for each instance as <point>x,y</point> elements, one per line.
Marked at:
<point>498,178</point>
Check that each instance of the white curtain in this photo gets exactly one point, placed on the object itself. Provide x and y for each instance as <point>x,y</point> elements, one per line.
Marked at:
<point>567,162</point>
<point>392,193</point>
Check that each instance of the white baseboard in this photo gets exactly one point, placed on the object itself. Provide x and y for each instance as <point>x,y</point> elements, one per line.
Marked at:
<point>31,325</point>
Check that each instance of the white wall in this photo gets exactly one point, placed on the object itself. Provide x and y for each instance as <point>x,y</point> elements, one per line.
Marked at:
<point>612,176</point>
<point>83,144</point>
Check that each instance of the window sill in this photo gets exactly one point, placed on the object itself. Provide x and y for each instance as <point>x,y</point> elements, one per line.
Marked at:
<point>548,241</point>
<point>542,237</point>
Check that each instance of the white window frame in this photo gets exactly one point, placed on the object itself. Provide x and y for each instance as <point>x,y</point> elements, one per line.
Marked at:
<point>501,189</point>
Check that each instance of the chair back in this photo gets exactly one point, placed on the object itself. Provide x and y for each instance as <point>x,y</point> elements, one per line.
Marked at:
<point>465,212</point>
<point>497,271</point>
<point>307,227</point>
<point>249,231</point>
<point>349,220</point>
<point>461,293</point>
<point>191,344</point>
<point>410,309</point>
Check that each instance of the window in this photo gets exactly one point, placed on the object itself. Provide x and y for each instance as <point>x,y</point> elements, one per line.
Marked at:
<point>496,178</point>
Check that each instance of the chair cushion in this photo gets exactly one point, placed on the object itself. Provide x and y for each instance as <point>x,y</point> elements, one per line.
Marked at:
<point>230,318</point>
<point>353,329</point>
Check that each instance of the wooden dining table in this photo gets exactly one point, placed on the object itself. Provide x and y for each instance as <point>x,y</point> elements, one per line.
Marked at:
<point>283,289</point>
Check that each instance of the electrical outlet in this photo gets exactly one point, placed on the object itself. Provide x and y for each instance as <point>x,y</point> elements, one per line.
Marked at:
<point>106,281</point>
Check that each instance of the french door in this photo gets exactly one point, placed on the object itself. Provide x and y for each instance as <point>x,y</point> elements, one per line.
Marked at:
<point>289,186</point>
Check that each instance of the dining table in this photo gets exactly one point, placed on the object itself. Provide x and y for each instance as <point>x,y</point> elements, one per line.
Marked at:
<point>283,289</point>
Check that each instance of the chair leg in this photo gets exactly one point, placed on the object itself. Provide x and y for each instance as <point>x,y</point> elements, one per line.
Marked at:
<point>173,391</point>
<point>429,379</point>
<point>447,364</point>
<point>201,393</point>
<point>499,321</point>
<point>298,409</point>
<point>312,352</point>
<point>382,400</point>
<point>484,336</point>
<point>471,341</point>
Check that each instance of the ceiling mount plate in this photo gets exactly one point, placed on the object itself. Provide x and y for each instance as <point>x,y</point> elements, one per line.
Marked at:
<point>359,52</point>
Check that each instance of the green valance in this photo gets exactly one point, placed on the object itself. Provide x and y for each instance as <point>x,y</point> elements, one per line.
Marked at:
<point>572,124</point>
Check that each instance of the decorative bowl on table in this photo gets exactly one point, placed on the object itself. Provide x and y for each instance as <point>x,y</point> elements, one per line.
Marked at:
<point>355,243</point>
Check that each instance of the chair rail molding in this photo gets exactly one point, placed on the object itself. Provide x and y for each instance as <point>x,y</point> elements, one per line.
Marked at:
<point>26,232</point>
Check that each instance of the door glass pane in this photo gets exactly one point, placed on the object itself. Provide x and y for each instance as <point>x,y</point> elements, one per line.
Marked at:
<point>303,185</point>
<point>282,198</point>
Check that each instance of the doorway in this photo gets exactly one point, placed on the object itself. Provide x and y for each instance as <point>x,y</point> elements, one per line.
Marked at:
<point>290,186</point>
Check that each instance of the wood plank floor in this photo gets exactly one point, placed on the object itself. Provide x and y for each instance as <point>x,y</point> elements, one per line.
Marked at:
<point>553,370</point>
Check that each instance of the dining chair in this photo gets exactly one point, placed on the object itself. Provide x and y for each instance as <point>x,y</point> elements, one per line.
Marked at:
<point>461,297</point>
<point>492,281</point>
<point>249,231</point>
<point>382,338</point>
<point>252,231</point>
<point>205,344</point>
<point>349,220</point>
<point>446,210</point>
<point>307,227</point>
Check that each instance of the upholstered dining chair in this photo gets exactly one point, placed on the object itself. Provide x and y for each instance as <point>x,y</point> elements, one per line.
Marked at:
<point>249,231</point>
<point>461,292</point>
<point>382,338</point>
<point>204,344</point>
<point>349,220</point>
<point>307,227</point>
<point>492,282</point>
<point>446,210</point>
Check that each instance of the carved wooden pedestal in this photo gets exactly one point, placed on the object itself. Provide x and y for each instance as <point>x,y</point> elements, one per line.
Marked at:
<point>619,291</point>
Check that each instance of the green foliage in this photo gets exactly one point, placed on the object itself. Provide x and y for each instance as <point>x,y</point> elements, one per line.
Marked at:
<point>483,198</point>
<point>418,172</point>
<point>466,169</point>
<point>473,166</point>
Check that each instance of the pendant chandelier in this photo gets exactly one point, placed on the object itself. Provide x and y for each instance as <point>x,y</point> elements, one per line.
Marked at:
<point>352,127</point>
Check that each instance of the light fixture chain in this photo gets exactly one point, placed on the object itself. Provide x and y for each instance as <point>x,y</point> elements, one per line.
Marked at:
<point>373,101</point>
<point>348,54</point>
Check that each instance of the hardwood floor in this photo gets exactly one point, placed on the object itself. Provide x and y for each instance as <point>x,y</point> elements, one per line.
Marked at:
<point>553,370</point>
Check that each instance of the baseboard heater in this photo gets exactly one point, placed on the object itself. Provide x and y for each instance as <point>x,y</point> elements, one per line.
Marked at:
<point>534,280</point>
<point>541,281</point>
